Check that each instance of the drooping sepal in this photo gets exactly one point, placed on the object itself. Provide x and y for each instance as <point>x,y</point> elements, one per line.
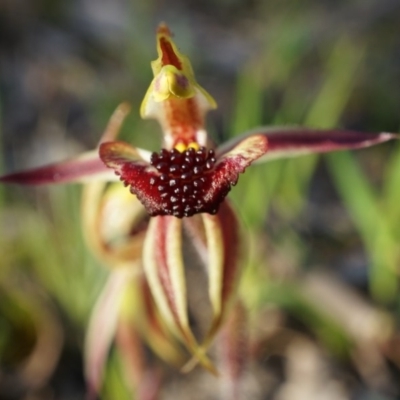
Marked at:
<point>164,269</point>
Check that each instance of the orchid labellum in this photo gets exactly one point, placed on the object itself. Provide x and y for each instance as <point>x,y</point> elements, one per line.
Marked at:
<point>175,194</point>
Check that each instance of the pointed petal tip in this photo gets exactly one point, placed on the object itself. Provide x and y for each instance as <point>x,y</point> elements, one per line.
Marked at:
<point>372,139</point>
<point>390,136</point>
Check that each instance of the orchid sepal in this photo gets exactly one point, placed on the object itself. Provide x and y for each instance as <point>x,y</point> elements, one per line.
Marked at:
<point>163,266</point>
<point>169,55</point>
<point>174,97</point>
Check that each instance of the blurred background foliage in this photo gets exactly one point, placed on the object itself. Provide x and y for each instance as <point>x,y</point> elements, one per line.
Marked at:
<point>322,279</point>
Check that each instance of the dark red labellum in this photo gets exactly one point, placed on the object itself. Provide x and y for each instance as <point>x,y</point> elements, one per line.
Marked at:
<point>184,181</point>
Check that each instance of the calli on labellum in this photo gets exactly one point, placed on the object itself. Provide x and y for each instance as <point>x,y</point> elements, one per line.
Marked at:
<point>181,188</point>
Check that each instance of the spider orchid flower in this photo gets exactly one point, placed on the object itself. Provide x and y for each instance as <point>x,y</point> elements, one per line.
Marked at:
<point>182,189</point>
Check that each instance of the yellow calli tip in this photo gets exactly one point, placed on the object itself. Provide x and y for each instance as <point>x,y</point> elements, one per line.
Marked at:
<point>181,147</point>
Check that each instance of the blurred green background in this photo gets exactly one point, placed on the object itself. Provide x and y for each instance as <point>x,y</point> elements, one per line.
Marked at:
<point>324,231</point>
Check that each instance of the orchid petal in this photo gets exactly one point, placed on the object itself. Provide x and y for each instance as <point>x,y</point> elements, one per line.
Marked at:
<point>163,265</point>
<point>84,168</point>
<point>174,97</point>
<point>102,327</point>
<point>296,141</point>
